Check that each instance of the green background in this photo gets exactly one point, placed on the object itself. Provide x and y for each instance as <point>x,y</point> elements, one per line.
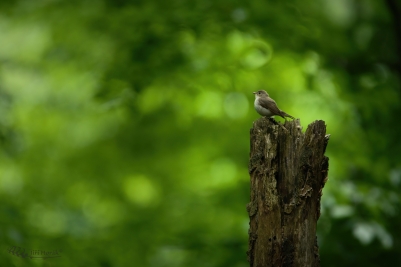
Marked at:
<point>124,125</point>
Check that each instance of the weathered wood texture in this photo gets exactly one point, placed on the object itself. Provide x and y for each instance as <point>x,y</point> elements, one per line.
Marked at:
<point>288,171</point>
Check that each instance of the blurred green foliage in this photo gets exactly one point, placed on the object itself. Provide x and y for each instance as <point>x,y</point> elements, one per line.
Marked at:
<point>124,126</point>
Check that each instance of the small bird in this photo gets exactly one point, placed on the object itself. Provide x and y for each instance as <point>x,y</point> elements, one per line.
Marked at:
<point>266,106</point>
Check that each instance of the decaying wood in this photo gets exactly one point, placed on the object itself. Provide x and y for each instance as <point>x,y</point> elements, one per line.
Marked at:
<point>288,171</point>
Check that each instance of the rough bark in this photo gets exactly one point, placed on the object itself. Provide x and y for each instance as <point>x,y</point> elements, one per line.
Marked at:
<point>288,171</point>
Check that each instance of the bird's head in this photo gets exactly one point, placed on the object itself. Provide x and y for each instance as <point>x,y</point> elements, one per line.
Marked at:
<point>261,93</point>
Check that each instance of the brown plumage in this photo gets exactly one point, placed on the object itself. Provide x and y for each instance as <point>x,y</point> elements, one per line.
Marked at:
<point>266,106</point>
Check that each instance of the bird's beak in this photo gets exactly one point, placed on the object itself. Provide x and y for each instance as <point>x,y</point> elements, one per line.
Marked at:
<point>254,93</point>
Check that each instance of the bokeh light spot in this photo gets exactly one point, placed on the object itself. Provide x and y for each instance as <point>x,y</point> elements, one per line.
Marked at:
<point>236,105</point>
<point>140,190</point>
<point>209,104</point>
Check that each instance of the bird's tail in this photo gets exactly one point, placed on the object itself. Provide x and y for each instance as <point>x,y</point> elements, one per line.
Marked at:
<point>283,114</point>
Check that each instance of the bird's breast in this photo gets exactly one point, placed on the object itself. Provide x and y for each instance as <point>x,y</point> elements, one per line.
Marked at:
<point>261,110</point>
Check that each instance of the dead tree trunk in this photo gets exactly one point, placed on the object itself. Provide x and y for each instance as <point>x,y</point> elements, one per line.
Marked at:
<point>288,171</point>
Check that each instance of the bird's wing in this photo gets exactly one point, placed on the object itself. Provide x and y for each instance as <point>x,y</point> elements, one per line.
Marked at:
<point>270,104</point>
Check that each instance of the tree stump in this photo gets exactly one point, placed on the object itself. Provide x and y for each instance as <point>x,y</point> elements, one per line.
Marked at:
<point>288,171</point>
